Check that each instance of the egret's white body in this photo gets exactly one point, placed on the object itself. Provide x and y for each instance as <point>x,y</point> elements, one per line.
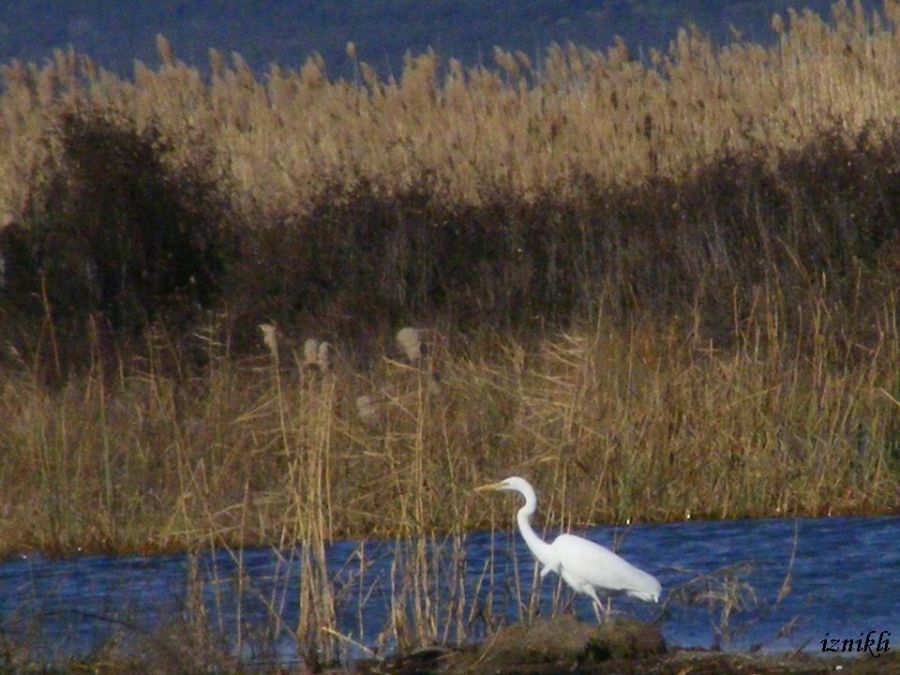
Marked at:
<point>584,565</point>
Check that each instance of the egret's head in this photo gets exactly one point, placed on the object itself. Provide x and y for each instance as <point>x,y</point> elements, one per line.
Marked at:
<point>514,483</point>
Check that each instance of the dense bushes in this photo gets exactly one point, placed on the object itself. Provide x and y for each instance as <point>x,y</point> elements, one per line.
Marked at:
<point>823,222</point>
<point>113,232</point>
<point>691,183</point>
<point>113,235</point>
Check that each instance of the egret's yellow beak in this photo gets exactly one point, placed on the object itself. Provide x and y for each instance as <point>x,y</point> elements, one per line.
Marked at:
<point>488,487</point>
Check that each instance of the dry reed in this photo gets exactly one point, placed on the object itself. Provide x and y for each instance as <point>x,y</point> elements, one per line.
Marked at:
<point>285,136</point>
<point>613,427</point>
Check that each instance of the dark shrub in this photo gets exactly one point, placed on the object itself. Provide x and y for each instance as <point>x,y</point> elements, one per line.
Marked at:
<point>818,223</point>
<point>112,232</point>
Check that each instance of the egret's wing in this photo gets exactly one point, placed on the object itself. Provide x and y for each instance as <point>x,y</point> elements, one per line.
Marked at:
<point>596,565</point>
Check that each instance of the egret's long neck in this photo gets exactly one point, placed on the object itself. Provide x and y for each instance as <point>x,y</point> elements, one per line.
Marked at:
<point>540,548</point>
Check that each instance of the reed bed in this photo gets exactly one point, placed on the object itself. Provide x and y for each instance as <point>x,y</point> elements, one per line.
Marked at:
<point>284,137</point>
<point>612,427</point>
<point>508,195</point>
<point>659,289</point>
<point>274,451</point>
<point>731,347</point>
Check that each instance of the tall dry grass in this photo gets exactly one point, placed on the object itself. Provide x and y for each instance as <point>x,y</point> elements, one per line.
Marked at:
<point>524,127</point>
<point>514,195</point>
<point>611,425</point>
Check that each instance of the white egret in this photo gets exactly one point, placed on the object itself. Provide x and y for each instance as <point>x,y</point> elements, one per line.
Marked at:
<point>584,565</point>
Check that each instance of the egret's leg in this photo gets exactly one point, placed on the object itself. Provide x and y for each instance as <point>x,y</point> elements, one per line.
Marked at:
<point>598,606</point>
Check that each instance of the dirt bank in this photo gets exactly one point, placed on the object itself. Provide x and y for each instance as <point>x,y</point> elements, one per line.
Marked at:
<point>565,645</point>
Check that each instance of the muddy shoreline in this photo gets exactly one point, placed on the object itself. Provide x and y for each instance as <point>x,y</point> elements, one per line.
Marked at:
<point>566,645</point>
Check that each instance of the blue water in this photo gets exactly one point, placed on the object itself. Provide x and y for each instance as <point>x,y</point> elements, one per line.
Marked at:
<point>287,32</point>
<point>844,580</point>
